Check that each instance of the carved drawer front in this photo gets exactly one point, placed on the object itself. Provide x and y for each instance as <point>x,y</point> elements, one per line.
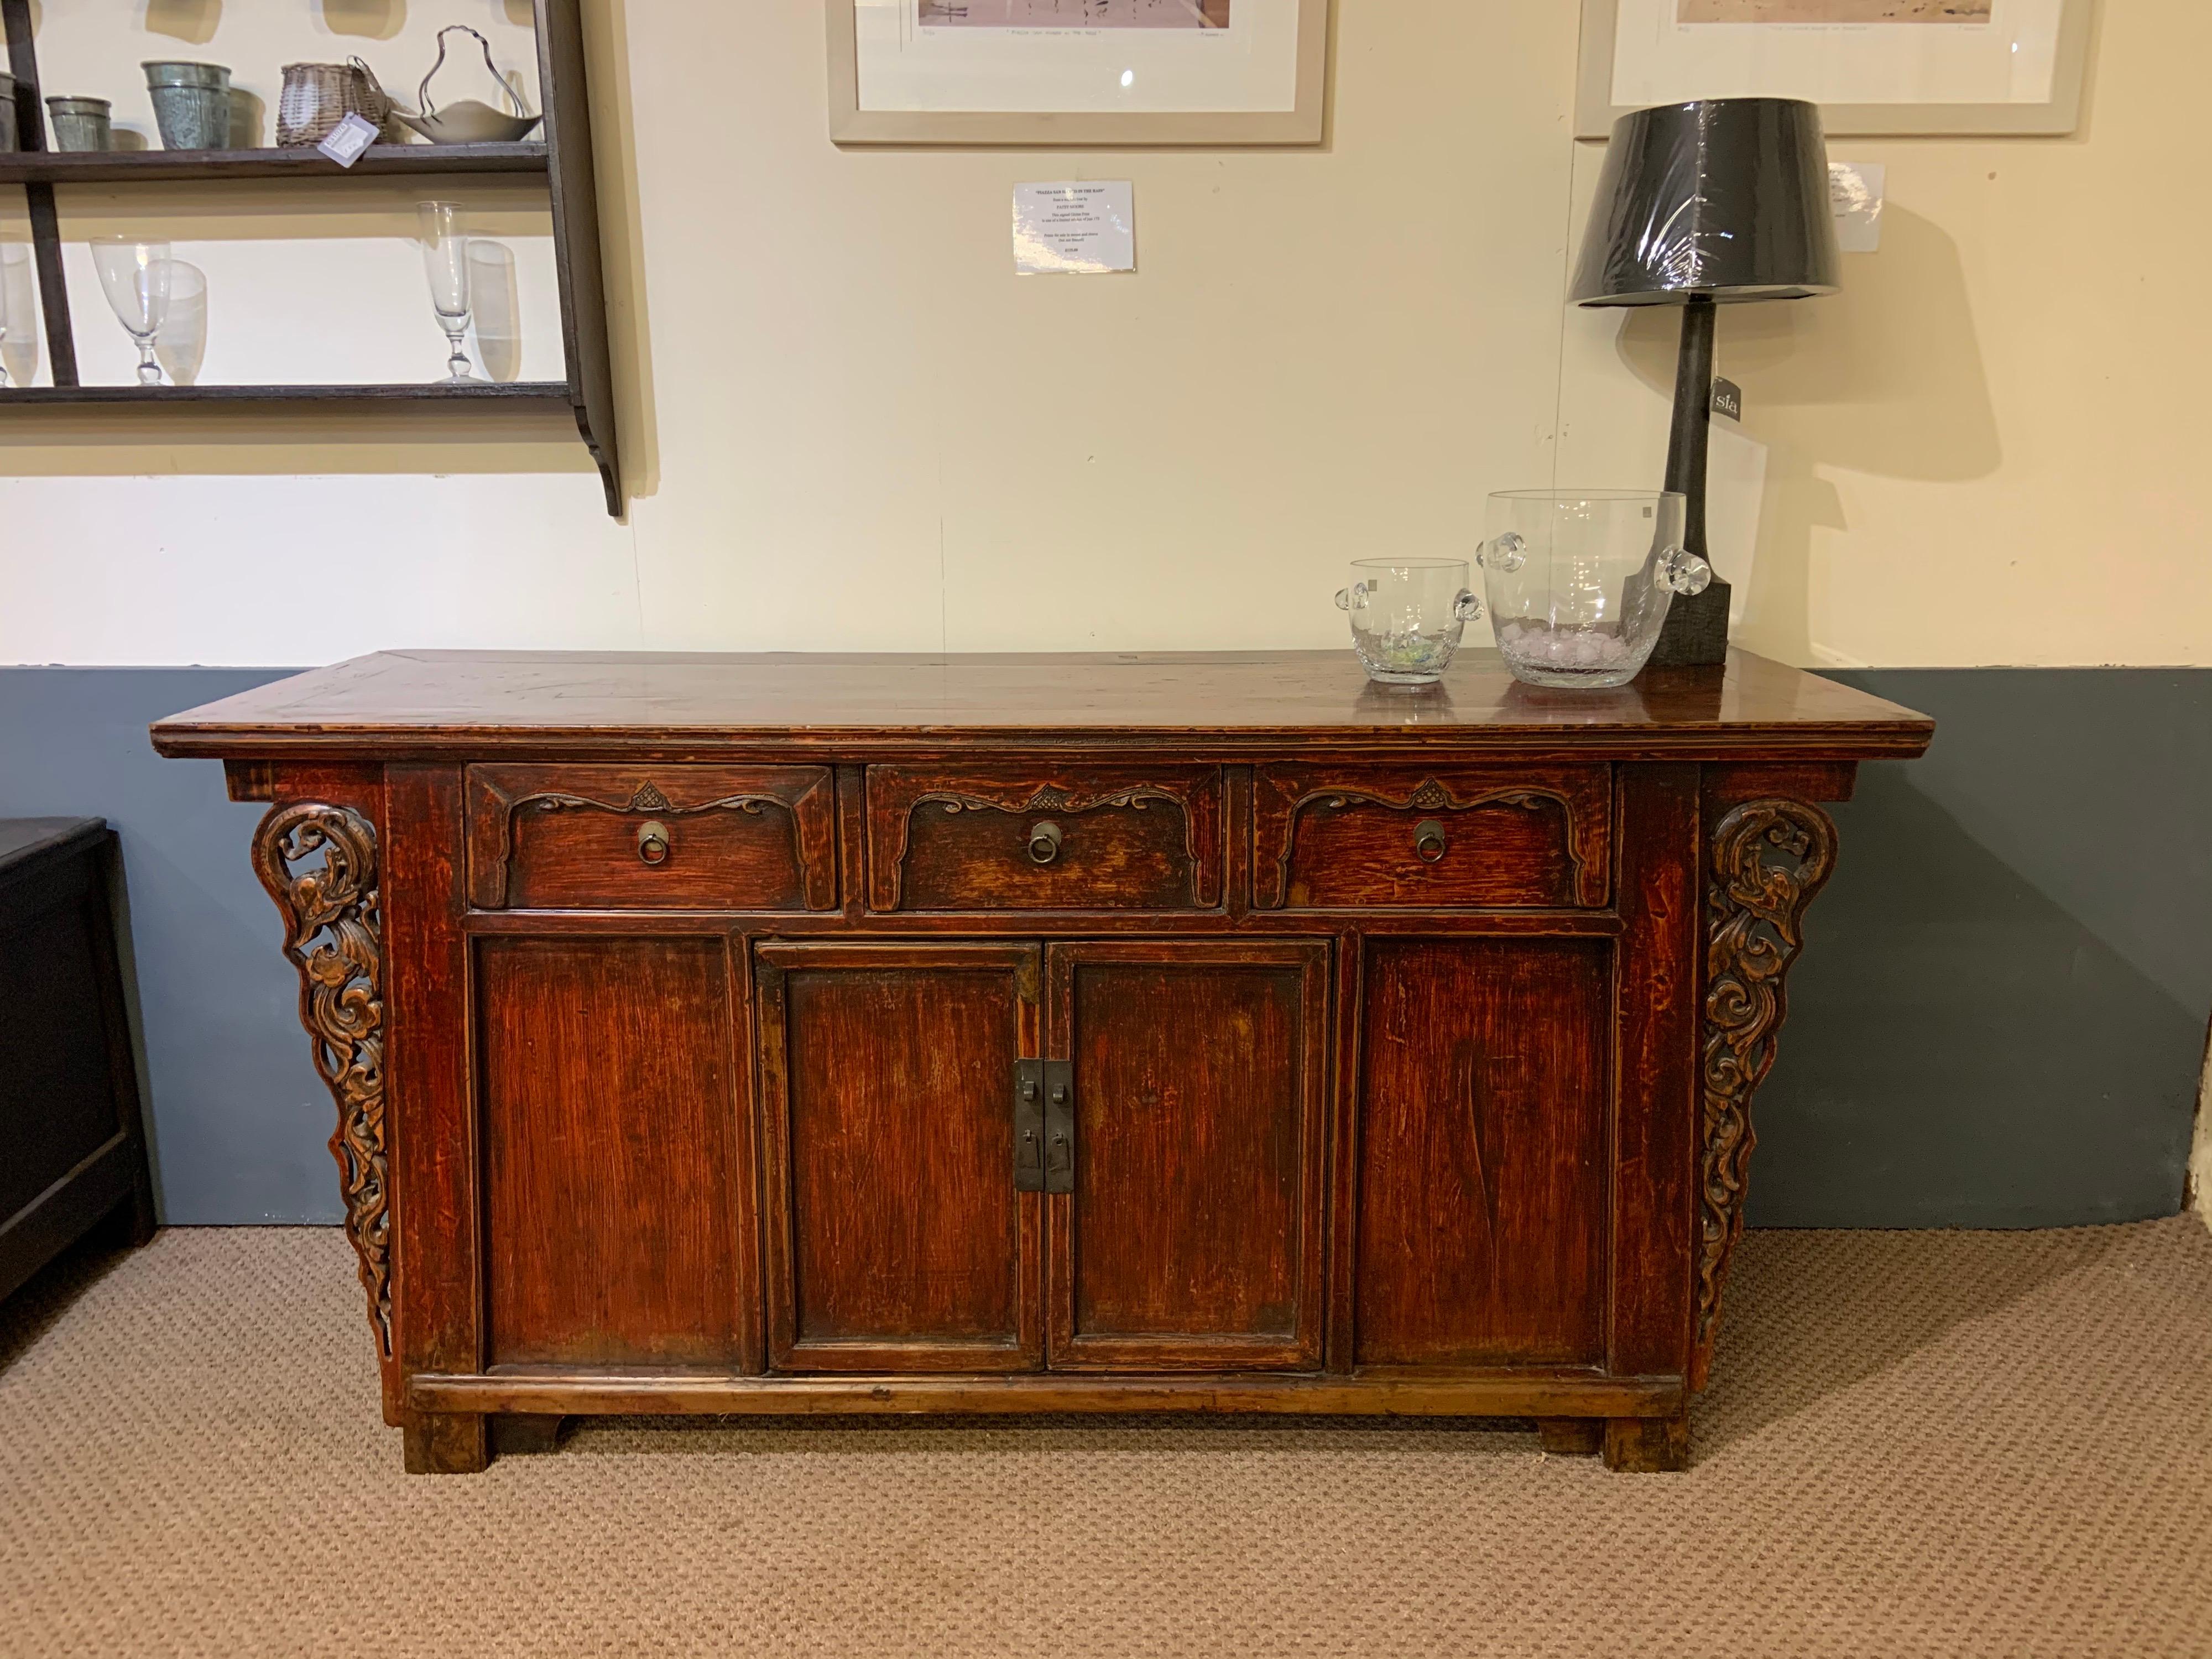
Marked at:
<point>1326,836</point>
<point>649,837</point>
<point>1035,838</point>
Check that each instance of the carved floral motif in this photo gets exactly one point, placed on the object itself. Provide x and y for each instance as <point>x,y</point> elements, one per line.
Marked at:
<point>1769,859</point>
<point>333,936</point>
<point>1049,800</point>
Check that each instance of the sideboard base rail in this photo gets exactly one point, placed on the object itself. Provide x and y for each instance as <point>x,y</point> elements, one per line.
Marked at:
<point>537,1392</point>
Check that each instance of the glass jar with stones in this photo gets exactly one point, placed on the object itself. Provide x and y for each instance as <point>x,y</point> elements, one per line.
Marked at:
<point>1579,580</point>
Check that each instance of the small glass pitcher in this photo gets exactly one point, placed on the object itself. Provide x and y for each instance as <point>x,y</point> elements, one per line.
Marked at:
<point>1408,615</point>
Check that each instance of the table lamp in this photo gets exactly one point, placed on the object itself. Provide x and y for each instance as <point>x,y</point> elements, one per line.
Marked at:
<point>1702,204</point>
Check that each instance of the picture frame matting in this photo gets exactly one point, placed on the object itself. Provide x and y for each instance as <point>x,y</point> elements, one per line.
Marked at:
<point>1596,111</point>
<point>1305,124</point>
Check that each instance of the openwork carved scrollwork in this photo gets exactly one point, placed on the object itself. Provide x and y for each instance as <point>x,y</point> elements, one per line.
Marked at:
<point>333,935</point>
<point>1769,859</point>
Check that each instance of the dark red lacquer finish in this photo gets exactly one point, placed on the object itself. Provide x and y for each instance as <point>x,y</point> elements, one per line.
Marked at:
<point>1220,1033</point>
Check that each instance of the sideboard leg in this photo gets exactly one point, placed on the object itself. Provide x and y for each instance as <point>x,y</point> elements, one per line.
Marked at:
<point>1571,1436</point>
<point>516,1435</point>
<point>1647,1445</point>
<point>447,1443</point>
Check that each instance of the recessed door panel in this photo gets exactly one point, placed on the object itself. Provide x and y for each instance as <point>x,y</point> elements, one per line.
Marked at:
<point>1484,1091</point>
<point>612,1167</point>
<point>1192,1237</point>
<point>896,1237</point>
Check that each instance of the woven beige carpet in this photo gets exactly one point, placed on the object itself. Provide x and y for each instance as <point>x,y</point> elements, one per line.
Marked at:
<point>1955,1444</point>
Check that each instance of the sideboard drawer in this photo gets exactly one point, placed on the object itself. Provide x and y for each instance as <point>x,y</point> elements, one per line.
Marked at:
<point>1042,837</point>
<point>1327,836</point>
<point>649,837</point>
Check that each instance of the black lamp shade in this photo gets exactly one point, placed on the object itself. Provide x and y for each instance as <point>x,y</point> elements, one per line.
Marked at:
<point>1724,199</point>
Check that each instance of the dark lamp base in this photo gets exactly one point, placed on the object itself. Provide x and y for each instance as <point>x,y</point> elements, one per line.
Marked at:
<point>1697,631</point>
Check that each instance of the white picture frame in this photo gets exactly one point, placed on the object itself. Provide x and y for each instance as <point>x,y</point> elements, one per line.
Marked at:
<point>2019,71</point>
<point>1270,78</point>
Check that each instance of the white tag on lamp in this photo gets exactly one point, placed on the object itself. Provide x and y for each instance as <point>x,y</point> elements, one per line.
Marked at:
<point>349,139</point>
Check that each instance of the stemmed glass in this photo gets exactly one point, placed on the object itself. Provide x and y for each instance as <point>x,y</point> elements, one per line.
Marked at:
<point>182,344</point>
<point>19,309</point>
<point>446,261</point>
<point>492,298</point>
<point>135,278</point>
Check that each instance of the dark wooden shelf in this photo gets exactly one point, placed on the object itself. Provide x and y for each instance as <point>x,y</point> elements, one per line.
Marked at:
<point>526,394</point>
<point>378,162</point>
<point>562,157</point>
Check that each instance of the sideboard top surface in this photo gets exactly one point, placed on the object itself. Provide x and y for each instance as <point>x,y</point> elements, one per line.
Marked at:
<point>399,703</point>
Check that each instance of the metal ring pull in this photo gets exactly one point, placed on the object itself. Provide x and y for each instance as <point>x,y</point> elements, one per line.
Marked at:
<point>1044,842</point>
<point>652,841</point>
<point>1429,842</point>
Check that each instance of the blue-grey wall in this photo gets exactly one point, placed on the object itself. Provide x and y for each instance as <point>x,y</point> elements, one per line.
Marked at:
<point>1999,1020</point>
<point>238,1117</point>
<point>2000,1017</point>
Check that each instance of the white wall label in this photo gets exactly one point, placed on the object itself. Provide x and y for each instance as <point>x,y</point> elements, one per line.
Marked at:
<point>1855,194</point>
<point>1084,229</point>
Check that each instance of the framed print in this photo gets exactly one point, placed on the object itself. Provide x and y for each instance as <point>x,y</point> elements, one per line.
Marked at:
<point>1873,66</point>
<point>1090,72</point>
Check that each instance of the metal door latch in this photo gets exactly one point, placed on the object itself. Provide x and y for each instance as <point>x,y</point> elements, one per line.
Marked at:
<point>1044,1126</point>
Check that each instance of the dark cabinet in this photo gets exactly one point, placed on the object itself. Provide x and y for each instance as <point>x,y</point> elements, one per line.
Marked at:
<point>72,1147</point>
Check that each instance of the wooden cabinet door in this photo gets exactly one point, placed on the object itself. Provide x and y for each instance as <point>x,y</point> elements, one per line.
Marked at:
<point>1485,1102</point>
<point>613,1151</point>
<point>896,1239</point>
<point>1192,1237</point>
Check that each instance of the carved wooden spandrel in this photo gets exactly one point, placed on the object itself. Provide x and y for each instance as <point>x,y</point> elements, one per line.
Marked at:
<point>333,928</point>
<point>1769,857</point>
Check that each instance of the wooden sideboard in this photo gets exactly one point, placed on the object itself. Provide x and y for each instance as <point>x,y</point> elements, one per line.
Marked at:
<point>832,1034</point>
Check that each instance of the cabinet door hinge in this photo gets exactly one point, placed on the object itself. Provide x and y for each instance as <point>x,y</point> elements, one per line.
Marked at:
<point>1044,1126</point>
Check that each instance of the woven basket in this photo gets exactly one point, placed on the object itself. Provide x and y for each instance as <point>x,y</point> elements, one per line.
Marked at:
<point>318,96</point>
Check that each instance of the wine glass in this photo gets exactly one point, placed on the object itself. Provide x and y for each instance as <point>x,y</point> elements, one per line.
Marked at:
<point>446,261</point>
<point>19,321</point>
<point>498,319</point>
<point>136,276</point>
<point>3,321</point>
<point>182,343</point>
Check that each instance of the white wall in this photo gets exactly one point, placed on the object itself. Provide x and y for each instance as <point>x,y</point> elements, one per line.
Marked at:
<point>848,424</point>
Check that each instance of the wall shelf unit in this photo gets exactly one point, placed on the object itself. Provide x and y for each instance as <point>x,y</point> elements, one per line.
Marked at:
<point>509,395</point>
<point>562,159</point>
<point>377,161</point>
